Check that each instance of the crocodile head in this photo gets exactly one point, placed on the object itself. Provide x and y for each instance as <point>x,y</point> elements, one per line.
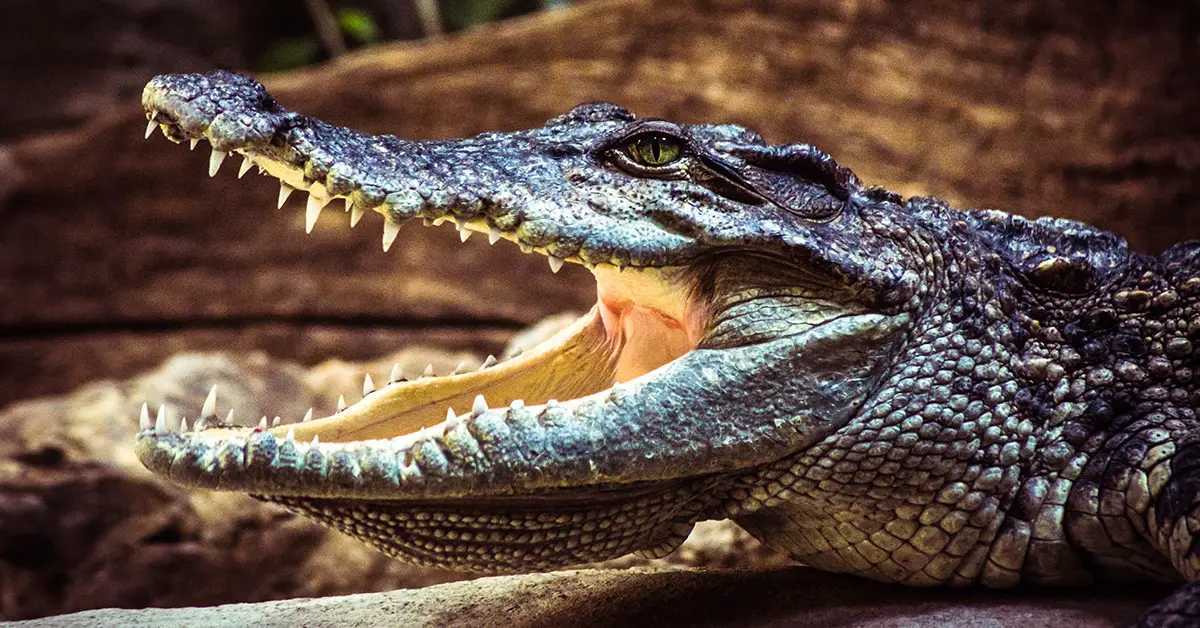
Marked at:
<point>748,298</point>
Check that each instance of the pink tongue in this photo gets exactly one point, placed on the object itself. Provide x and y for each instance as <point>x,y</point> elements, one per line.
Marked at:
<point>644,338</point>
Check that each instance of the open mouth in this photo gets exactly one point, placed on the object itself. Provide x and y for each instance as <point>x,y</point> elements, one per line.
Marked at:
<point>645,317</point>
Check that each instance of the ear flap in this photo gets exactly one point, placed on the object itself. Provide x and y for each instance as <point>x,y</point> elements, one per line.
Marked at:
<point>785,175</point>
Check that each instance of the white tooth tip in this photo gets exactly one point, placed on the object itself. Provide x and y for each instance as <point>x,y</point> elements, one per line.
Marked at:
<point>368,385</point>
<point>312,211</point>
<point>307,416</point>
<point>395,376</point>
<point>450,416</point>
<point>276,422</point>
<point>210,403</point>
<point>183,425</point>
<point>489,362</point>
<point>555,263</point>
<point>245,167</point>
<point>341,405</point>
<point>390,229</point>
<point>480,406</point>
<point>144,422</point>
<point>262,423</point>
<point>215,160</point>
<point>464,234</point>
<point>160,421</point>
<point>150,127</point>
<point>316,440</point>
<point>356,213</point>
<point>291,435</point>
<point>461,368</point>
<point>229,417</point>
<point>285,191</point>
<point>493,235</point>
<point>428,372</point>
<point>192,144</point>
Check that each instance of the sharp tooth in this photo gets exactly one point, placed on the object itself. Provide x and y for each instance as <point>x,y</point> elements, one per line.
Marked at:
<point>428,372</point>
<point>229,417</point>
<point>464,234</point>
<point>313,211</point>
<point>450,416</point>
<point>291,435</point>
<point>183,425</point>
<point>262,423</point>
<point>368,385</point>
<point>160,421</point>
<point>390,229</point>
<point>493,235</point>
<point>341,403</point>
<point>516,352</point>
<point>356,213</point>
<point>215,160</point>
<point>461,368</point>
<point>285,191</point>
<point>210,403</point>
<point>316,440</point>
<point>479,407</point>
<point>490,361</point>
<point>307,416</point>
<point>395,376</point>
<point>428,222</point>
<point>247,161</point>
<point>144,422</point>
<point>150,127</point>
<point>551,403</point>
<point>555,263</point>
<point>193,143</point>
<point>525,248</point>
<point>276,422</point>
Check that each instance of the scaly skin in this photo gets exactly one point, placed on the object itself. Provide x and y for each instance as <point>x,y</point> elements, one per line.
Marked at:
<point>889,388</point>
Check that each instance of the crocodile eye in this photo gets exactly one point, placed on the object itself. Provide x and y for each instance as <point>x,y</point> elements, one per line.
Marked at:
<point>653,149</point>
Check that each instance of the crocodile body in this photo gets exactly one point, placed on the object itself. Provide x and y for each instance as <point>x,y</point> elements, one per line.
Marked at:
<point>880,386</point>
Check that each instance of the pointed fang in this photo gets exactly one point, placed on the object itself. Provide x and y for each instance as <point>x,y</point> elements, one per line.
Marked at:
<point>262,423</point>
<point>245,167</point>
<point>150,127</point>
<point>341,403</point>
<point>464,234</point>
<point>285,191</point>
<point>291,435</point>
<point>313,211</point>
<point>193,143</point>
<point>144,422</point>
<point>215,160</point>
<point>160,422</point>
<point>356,213</point>
<point>489,362</point>
<point>395,376</point>
<point>450,416</point>
<point>493,235</point>
<point>307,416</point>
<point>390,229</point>
<point>210,403</point>
<point>183,425</point>
<point>479,407</point>
<point>461,368</point>
<point>428,372</point>
<point>555,263</point>
<point>276,422</point>
<point>368,385</point>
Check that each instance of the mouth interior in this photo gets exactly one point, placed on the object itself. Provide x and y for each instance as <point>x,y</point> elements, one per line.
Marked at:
<point>643,319</point>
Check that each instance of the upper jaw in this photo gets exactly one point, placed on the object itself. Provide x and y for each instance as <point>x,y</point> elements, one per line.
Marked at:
<point>524,187</point>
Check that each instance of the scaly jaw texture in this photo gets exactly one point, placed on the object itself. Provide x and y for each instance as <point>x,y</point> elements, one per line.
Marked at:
<point>643,319</point>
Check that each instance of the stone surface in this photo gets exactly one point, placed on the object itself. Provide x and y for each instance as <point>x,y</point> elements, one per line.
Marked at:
<point>1064,108</point>
<point>83,525</point>
<point>655,597</point>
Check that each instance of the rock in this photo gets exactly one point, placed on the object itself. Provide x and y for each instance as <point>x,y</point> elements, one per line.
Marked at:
<point>84,525</point>
<point>123,250</point>
<point>795,596</point>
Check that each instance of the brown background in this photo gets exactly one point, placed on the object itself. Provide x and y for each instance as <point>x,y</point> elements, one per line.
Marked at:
<point>116,252</point>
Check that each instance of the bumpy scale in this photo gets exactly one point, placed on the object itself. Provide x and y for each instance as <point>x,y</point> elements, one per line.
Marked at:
<point>878,386</point>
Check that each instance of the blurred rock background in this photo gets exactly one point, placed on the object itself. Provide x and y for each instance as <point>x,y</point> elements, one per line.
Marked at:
<point>117,254</point>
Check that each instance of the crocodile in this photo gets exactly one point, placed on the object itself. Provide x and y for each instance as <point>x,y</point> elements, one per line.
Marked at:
<point>876,385</point>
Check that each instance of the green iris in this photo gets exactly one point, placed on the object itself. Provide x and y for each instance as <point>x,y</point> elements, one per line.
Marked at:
<point>653,149</point>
